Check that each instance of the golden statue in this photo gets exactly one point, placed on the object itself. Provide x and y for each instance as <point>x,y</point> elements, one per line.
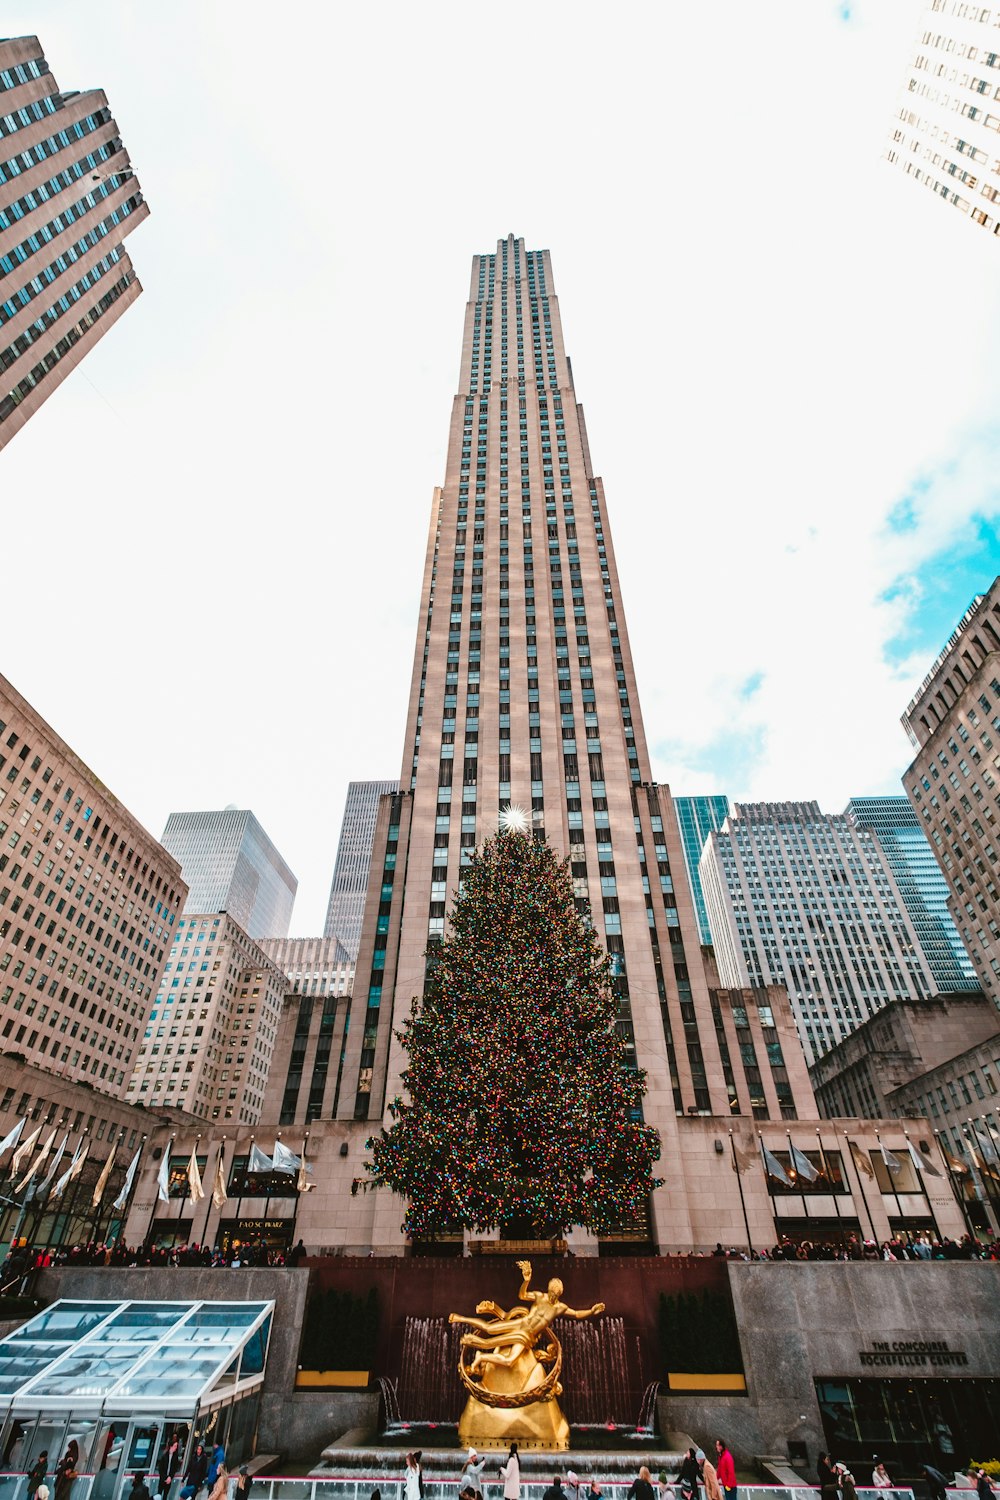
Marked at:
<point>512,1376</point>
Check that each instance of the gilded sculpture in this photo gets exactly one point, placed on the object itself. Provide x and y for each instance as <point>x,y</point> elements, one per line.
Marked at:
<point>511,1367</point>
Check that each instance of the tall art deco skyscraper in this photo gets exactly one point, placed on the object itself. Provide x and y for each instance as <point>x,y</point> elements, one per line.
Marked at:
<point>523,690</point>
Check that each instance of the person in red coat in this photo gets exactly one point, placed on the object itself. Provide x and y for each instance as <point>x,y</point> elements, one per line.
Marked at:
<point>726,1470</point>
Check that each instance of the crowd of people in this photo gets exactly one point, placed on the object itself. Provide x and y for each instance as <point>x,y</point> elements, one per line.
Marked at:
<point>205,1476</point>
<point>921,1246</point>
<point>23,1259</point>
<point>698,1477</point>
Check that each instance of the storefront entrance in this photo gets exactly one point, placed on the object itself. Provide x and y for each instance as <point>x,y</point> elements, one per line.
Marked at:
<point>907,1423</point>
<point>272,1234</point>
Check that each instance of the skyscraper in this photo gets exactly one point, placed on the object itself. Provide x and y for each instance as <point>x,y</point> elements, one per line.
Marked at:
<point>698,817</point>
<point>523,691</point>
<point>944,132</point>
<point>89,903</point>
<point>802,899</point>
<point>68,198</point>
<point>924,890</point>
<point>231,865</point>
<point>954,723</point>
<point>354,856</point>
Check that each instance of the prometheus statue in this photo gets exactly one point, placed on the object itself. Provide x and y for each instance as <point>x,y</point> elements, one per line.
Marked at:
<point>511,1367</point>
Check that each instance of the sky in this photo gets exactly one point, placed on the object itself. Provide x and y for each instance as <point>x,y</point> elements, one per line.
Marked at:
<point>212,534</point>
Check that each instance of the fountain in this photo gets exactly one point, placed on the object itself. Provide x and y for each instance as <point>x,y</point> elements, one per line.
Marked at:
<point>647,1409</point>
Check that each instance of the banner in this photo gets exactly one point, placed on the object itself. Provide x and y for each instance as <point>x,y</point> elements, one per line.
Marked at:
<point>861,1160</point>
<point>195,1190</point>
<point>44,1186</point>
<point>102,1181</point>
<point>219,1194</point>
<point>803,1166</point>
<point>163,1177</point>
<point>773,1167</point>
<point>122,1198</point>
<point>12,1137</point>
<point>36,1163</point>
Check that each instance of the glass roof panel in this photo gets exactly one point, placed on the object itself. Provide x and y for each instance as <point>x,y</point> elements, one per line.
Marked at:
<point>169,1352</point>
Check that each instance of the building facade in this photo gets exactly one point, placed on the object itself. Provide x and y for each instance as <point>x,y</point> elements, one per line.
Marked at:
<point>802,899</point>
<point>89,904</point>
<point>231,865</point>
<point>697,817</point>
<point>907,851</point>
<point>306,1069</point>
<point>953,722</point>
<point>349,886</point>
<point>68,198</point>
<point>944,131</point>
<point>211,1034</point>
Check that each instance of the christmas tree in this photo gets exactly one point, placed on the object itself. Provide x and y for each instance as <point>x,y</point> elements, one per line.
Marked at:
<point>520,1110</point>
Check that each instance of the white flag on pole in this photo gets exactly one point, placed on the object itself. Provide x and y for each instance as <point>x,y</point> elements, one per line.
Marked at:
<point>122,1198</point>
<point>163,1177</point>
<point>12,1137</point>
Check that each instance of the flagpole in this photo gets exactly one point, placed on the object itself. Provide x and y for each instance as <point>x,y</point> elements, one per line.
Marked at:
<point>956,1188</point>
<point>299,1196</point>
<point>977,1181</point>
<point>736,1168</point>
<point>892,1178</point>
<point>826,1173</point>
<point>864,1195</point>
<point>770,1190</point>
<point>982,1172</point>
<point>123,1217</point>
<point>243,1183</point>
<point>926,1191</point>
<point>986,1172</point>
<point>208,1213</point>
<point>190,1192</point>
<point>156,1196</point>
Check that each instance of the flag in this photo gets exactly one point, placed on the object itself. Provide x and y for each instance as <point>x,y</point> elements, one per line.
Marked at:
<point>744,1159</point>
<point>219,1194</point>
<point>122,1198</point>
<point>163,1177</point>
<point>803,1166</point>
<point>284,1160</point>
<point>12,1137</point>
<point>44,1187</point>
<point>195,1190</point>
<point>258,1162</point>
<point>73,1170</point>
<point>986,1143</point>
<point>102,1181</point>
<point>956,1164</point>
<point>301,1185</point>
<point>24,1149</point>
<point>893,1163</point>
<point>920,1162</point>
<point>773,1167</point>
<point>861,1159</point>
<point>43,1153</point>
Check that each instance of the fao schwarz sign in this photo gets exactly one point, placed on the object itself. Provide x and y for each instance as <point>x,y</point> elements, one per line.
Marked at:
<point>913,1354</point>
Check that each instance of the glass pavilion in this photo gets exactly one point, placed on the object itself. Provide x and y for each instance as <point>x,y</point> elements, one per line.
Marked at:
<point>121,1379</point>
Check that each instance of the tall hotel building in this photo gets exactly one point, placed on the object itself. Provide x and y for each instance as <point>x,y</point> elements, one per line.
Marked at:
<point>944,135</point>
<point>89,905</point>
<point>805,900</point>
<point>231,865</point>
<point>68,198</point>
<point>349,886</point>
<point>523,690</point>
<point>954,724</point>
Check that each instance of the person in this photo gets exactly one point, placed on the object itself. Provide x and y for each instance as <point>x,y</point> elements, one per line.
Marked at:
<point>726,1469</point>
<point>595,1491</point>
<point>37,1473</point>
<point>846,1481</point>
<point>471,1476</point>
<point>168,1463</point>
<point>14,1438</point>
<point>688,1476</point>
<point>880,1476</point>
<point>42,1492</point>
<point>220,1488</point>
<point>139,1490</point>
<point>827,1476</point>
<point>937,1483</point>
<point>555,1491</point>
<point>196,1471</point>
<point>641,1487</point>
<point>66,1471</point>
<point>411,1479</point>
<point>510,1473</point>
<point>216,1462</point>
<point>245,1482</point>
<point>298,1252</point>
<point>376,1494</point>
<point>664,1489</point>
<point>983,1487</point>
<point>709,1476</point>
<point>572,1485</point>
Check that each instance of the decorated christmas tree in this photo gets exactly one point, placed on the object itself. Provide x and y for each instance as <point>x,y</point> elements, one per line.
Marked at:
<point>519,1108</point>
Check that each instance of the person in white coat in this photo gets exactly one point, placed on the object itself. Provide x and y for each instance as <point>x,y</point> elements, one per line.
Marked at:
<point>411,1479</point>
<point>510,1473</point>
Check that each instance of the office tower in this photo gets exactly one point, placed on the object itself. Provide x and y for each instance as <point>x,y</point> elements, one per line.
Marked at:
<point>803,899</point>
<point>231,865</point>
<point>305,1069</point>
<point>89,903</point>
<point>523,692</point>
<point>354,856</point>
<point>698,817</point>
<point>210,1036</point>
<point>68,198</point>
<point>944,131</point>
<point>919,881</point>
<point>954,723</point>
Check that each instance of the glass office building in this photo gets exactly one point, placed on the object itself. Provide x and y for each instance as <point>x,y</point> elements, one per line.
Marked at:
<point>697,817</point>
<point>231,865</point>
